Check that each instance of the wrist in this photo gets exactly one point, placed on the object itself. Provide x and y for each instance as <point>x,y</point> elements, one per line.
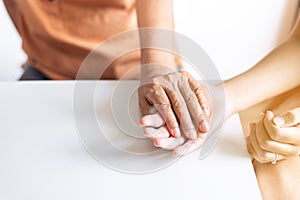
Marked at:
<point>158,56</point>
<point>231,104</point>
<point>150,71</point>
<point>157,62</point>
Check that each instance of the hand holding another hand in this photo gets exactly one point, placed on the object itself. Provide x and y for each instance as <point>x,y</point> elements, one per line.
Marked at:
<point>156,130</point>
<point>273,135</point>
<point>169,101</point>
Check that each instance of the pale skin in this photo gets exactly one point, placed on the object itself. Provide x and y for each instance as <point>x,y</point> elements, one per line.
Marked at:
<point>279,181</point>
<point>284,61</point>
<point>264,81</point>
<point>275,134</point>
<point>176,96</point>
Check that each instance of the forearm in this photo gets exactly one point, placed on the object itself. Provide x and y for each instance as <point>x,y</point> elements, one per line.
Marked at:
<point>159,16</point>
<point>275,74</point>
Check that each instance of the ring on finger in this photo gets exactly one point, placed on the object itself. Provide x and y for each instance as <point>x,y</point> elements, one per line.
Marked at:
<point>275,159</point>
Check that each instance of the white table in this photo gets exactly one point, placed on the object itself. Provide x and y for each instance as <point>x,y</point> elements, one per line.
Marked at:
<point>42,156</point>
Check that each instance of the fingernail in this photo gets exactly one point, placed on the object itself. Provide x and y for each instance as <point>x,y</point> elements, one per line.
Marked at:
<point>192,134</point>
<point>261,115</point>
<point>206,111</point>
<point>176,132</point>
<point>141,122</point>
<point>279,121</point>
<point>156,142</point>
<point>204,126</point>
<point>270,115</point>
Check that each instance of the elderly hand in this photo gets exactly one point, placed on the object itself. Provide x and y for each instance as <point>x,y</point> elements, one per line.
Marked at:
<point>273,135</point>
<point>176,95</point>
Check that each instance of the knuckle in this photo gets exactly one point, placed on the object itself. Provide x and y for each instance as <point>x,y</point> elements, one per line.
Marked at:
<point>165,107</point>
<point>150,89</point>
<point>153,89</point>
<point>177,105</point>
<point>170,76</point>
<point>200,92</point>
<point>156,92</point>
<point>265,157</point>
<point>156,80</point>
<point>275,135</point>
<point>152,84</point>
<point>266,144</point>
<point>190,100</point>
<point>184,73</point>
<point>183,79</point>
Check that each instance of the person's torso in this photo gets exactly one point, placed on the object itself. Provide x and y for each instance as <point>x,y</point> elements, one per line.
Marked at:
<point>58,34</point>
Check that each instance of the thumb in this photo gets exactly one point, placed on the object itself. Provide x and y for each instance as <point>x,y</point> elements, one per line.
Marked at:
<point>289,118</point>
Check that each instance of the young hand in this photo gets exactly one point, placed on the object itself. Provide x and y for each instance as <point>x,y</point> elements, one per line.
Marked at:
<point>273,135</point>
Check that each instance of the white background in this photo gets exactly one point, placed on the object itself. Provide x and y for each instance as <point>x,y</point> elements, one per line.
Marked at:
<point>235,33</point>
<point>42,156</point>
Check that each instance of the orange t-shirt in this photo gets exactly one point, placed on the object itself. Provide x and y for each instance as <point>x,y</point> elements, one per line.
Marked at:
<point>57,35</point>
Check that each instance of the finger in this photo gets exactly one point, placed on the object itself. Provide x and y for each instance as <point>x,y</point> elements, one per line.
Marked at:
<point>190,146</point>
<point>201,93</point>
<point>161,102</point>
<point>250,149</point>
<point>252,152</point>
<point>269,145</point>
<point>262,155</point>
<point>168,143</point>
<point>288,135</point>
<point>154,120</point>
<point>180,108</point>
<point>161,132</point>
<point>261,116</point>
<point>193,106</point>
<point>144,105</point>
<point>289,118</point>
<point>255,155</point>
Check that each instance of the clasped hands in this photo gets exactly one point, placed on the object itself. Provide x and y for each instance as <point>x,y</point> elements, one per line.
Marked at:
<point>272,135</point>
<point>176,112</point>
<point>177,102</point>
